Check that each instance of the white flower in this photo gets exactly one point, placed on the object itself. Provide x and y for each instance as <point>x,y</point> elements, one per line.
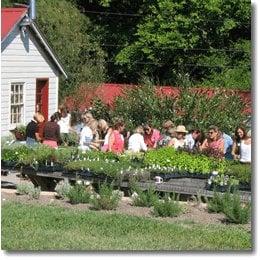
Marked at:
<point>86,183</point>
<point>134,195</point>
<point>79,181</point>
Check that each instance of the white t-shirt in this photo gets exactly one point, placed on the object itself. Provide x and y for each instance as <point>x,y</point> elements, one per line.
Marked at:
<point>179,143</point>
<point>136,143</point>
<point>64,124</point>
<point>245,152</point>
<point>86,137</point>
<point>190,141</point>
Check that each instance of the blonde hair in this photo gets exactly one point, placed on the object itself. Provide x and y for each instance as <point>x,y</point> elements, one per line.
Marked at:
<point>102,124</point>
<point>168,124</point>
<point>139,130</point>
<point>39,117</point>
<point>93,124</point>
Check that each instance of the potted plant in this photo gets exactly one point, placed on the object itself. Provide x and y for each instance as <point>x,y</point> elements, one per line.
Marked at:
<point>19,132</point>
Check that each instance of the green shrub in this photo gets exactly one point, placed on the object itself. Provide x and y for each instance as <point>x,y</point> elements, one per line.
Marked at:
<point>144,198</point>
<point>78,194</point>
<point>219,201</point>
<point>28,189</point>
<point>236,212</point>
<point>107,199</point>
<point>168,207</point>
<point>241,171</point>
<point>35,193</point>
<point>63,188</point>
<point>231,206</point>
<point>24,188</point>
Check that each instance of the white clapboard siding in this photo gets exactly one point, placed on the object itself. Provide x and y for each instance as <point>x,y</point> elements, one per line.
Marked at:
<point>25,64</point>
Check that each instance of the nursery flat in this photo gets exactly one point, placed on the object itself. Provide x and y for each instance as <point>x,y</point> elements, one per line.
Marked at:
<point>31,227</point>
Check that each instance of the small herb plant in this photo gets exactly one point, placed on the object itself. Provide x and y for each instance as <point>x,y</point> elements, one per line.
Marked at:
<point>28,189</point>
<point>218,202</point>
<point>24,188</point>
<point>144,198</point>
<point>35,193</point>
<point>107,198</point>
<point>231,205</point>
<point>168,207</point>
<point>236,212</point>
<point>78,194</point>
<point>63,188</point>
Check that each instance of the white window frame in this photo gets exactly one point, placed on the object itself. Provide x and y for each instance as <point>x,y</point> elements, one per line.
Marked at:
<point>19,103</point>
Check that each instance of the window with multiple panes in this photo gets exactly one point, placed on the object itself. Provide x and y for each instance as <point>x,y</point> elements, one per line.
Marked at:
<point>17,104</point>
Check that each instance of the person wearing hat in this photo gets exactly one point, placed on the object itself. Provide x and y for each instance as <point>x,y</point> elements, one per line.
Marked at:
<point>180,140</point>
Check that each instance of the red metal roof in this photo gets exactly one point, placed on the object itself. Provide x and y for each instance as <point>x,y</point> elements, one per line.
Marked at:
<point>9,18</point>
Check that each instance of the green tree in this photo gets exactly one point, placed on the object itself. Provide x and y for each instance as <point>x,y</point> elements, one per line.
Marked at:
<point>192,37</point>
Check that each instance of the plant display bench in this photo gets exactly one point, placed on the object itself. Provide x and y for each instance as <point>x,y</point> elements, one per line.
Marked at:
<point>186,186</point>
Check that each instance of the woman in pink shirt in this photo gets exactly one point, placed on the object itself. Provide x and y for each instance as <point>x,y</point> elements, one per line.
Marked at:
<point>151,136</point>
<point>116,139</point>
<point>214,143</point>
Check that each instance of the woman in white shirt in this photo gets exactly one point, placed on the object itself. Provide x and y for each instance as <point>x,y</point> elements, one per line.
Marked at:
<point>65,125</point>
<point>241,149</point>
<point>136,141</point>
<point>86,136</point>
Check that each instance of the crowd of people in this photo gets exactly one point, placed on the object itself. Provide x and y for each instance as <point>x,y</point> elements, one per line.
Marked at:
<point>96,134</point>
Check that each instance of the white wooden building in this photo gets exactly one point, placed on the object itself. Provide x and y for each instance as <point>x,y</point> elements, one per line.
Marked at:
<point>29,71</point>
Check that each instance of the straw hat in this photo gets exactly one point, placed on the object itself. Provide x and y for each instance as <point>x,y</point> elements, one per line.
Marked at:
<point>181,129</point>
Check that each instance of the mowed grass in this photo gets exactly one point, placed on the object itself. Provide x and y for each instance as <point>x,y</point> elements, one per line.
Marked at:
<point>33,227</point>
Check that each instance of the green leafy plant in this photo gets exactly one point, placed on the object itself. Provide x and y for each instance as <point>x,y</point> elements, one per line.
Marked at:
<point>236,212</point>
<point>35,193</point>
<point>169,206</point>
<point>146,198</point>
<point>218,202</point>
<point>78,194</point>
<point>63,188</point>
<point>24,188</point>
<point>28,189</point>
<point>107,198</point>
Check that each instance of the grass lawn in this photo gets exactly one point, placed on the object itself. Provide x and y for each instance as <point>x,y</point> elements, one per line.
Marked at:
<point>30,227</point>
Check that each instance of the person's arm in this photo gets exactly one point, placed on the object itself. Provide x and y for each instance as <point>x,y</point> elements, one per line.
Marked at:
<point>234,149</point>
<point>171,142</point>
<point>143,145</point>
<point>111,141</point>
<point>222,146</point>
<point>58,134</point>
<point>204,145</point>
